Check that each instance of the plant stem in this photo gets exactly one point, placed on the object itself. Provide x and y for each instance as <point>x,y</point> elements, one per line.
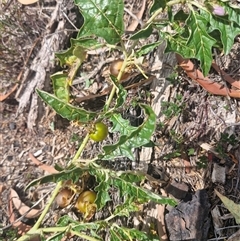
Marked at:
<point>83,236</point>
<point>110,98</point>
<point>34,230</point>
<point>80,150</point>
<point>54,194</point>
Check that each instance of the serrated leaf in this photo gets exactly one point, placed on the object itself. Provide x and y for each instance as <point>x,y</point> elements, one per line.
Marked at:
<point>228,29</point>
<point>200,40</point>
<point>66,57</point>
<point>66,110</point>
<point>121,125</point>
<point>132,176</point>
<point>130,189</point>
<point>231,206</point>
<point>143,33</point>
<point>102,18</point>
<point>121,93</point>
<point>126,182</point>
<point>61,86</point>
<point>128,234</point>
<point>157,5</point>
<point>73,174</point>
<point>102,193</point>
<point>78,227</point>
<point>104,178</point>
<point>131,137</point>
<point>178,44</point>
<point>86,43</point>
<point>125,209</point>
<point>145,49</point>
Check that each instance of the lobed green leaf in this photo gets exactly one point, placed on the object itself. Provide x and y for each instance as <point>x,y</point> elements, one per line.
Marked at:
<point>127,183</point>
<point>73,174</point>
<point>157,5</point>
<point>200,41</point>
<point>102,18</point>
<point>143,33</point>
<point>228,29</point>
<point>61,86</point>
<point>127,234</point>
<point>66,110</point>
<point>130,137</point>
<point>147,48</point>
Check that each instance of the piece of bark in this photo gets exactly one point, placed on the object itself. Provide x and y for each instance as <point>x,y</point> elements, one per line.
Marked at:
<point>189,220</point>
<point>43,65</point>
<point>178,190</point>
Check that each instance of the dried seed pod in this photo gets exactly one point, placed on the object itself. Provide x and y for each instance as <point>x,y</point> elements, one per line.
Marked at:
<point>64,197</point>
<point>115,68</point>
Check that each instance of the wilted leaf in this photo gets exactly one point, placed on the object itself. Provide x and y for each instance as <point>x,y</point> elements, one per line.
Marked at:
<point>233,208</point>
<point>61,86</point>
<point>22,208</point>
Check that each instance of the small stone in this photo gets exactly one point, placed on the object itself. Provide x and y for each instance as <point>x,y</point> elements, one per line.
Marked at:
<point>219,174</point>
<point>9,158</point>
<point>12,126</point>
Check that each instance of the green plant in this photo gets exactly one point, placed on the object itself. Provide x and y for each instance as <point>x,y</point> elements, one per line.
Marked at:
<point>8,235</point>
<point>224,141</point>
<point>173,108</point>
<point>202,162</point>
<point>192,27</point>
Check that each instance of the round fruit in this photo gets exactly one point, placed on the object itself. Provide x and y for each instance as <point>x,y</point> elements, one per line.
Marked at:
<point>99,132</point>
<point>115,68</point>
<point>85,202</point>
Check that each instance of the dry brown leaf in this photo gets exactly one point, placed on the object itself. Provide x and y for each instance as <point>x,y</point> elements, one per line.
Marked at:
<point>228,78</point>
<point>161,227</point>
<point>139,15</point>
<point>2,188</point>
<point>21,227</point>
<point>205,82</point>
<point>22,208</point>
<point>44,167</point>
